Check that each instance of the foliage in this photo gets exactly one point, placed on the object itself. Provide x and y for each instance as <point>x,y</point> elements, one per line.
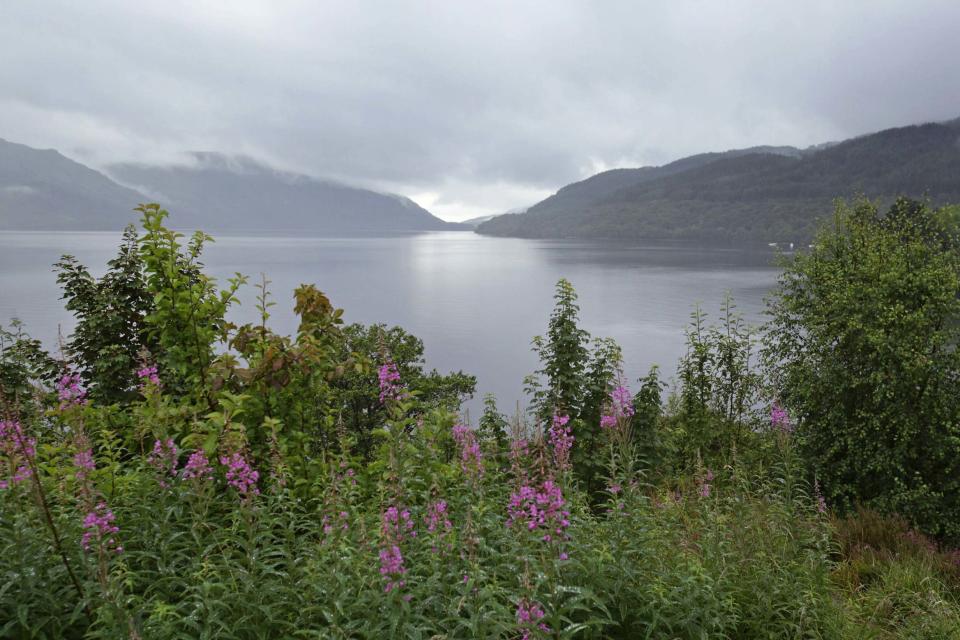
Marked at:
<point>322,485</point>
<point>110,338</point>
<point>862,351</point>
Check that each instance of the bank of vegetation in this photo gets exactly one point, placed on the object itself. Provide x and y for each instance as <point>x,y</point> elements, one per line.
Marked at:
<point>170,474</point>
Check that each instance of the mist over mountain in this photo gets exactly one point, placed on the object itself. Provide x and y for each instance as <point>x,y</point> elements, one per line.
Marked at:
<point>761,194</point>
<point>220,192</point>
<point>44,190</point>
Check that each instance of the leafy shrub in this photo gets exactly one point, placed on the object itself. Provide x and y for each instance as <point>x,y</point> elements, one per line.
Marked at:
<point>862,350</point>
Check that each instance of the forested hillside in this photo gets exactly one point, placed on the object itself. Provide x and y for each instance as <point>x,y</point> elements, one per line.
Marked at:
<point>759,195</point>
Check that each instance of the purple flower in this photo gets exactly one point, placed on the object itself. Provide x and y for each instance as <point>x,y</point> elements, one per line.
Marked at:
<point>198,467</point>
<point>19,450</point>
<point>391,388</point>
<point>561,439</point>
<point>100,529</point>
<point>164,459</point>
<point>779,419</point>
<point>240,475</point>
<point>471,456</point>
<point>148,376</point>
<point>70,392</point>
<point>541,511</point>
<point>529,615</point>
<point>821,503</point>
<point>619,409</point>
<point>437,516</point>
<point>83,461</point>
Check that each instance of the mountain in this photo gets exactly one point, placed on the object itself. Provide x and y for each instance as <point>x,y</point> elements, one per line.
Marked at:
<point>217,192</point>
<point>475,222</point>
<point>41,189</point>
<point>756,195</point>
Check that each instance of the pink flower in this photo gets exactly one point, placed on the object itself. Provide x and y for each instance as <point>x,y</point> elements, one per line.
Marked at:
<point>19,449</point>
<point>779,419</point>
<point>561,439</point>
<point>619,409</point>
<point>529,615</point>
<point>100,528</point>
<point>541,511</point>
<point>391,389</point>
<point>70,392</point>
<point>471,456</point>
<point>821,503</point>
<point>83,461</point>
<point>240,475</point>
<point>198,467</point>
<point>164,459</point>
<point>148,376</point>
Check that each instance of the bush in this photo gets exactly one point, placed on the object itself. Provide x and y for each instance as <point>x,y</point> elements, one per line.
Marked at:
<point>861,348</point>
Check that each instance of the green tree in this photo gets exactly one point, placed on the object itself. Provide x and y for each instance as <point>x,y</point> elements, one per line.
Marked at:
<point>861,347</point>
<point>110,337</point>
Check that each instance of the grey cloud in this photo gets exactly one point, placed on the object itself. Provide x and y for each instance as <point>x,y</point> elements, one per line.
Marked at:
<point>472,105</point>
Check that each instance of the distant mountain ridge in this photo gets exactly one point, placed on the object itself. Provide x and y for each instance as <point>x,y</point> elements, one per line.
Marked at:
<point>220,191</point>
<point>760,194</point>
<point>44,190</point>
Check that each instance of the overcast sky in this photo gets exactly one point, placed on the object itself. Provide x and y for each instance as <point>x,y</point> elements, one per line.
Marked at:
<point>469,108</point>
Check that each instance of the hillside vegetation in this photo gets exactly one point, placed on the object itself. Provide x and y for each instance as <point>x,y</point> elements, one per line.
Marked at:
<point>751,196</point>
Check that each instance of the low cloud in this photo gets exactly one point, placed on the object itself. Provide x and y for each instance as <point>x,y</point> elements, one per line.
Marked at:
<point>468,108</point>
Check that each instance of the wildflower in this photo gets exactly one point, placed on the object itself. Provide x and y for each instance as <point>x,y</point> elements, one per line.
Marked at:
<point>437,515</point>
<point>164,458</point>
<point>391,388</point>
<point>620,408</point>
<point>19,449</point>
<point>779,419</point>
<point>148,377</point>
<point>541,511</point>
<point>818,496</point>
<point>561,439</point>
<point>240,475</point>
<point>83,461</point>
<point>198,467</point>
<point>69,391</point>
<point>395,524</point>
<point>100,528</point>
<point>529,615</point>
<point>471,456</point>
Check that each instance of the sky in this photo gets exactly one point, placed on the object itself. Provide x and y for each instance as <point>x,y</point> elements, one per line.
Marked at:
<point>469,108</point>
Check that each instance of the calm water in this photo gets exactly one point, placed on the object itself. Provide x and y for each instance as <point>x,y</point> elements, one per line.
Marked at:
<point>475,301</point>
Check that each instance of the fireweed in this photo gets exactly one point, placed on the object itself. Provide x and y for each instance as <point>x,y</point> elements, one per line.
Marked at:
<point>391,389</point>
<point>69,391</point>
<point>561,440</point>
<point>471,457</point>
<point>148,377</point>
<point>164,458</point>
<point>396,526</point>
<point>779,419</point>
<point>197,467</point>
<point>529,616</point>
<point>18,449</point>
<point>240,475</point>
<point>100,530</point>
<point>619,408</point>
<point>540,511</point>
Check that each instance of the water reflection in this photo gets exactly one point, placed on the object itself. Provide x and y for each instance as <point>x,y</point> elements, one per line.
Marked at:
<point>476,301</point>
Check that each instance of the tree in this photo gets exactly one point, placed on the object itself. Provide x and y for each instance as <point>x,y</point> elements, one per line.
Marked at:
<point>110,336</point>
<point>861,347</point>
